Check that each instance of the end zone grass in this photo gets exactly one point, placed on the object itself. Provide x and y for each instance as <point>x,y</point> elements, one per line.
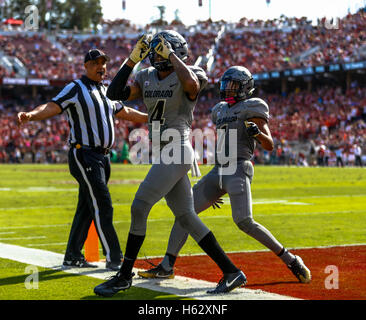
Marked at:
<point>59,285</point>
<point>302,207</point>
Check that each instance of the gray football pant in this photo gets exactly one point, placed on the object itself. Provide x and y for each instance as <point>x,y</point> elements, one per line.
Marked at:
<point>172,182</point>
<point>208,190</point>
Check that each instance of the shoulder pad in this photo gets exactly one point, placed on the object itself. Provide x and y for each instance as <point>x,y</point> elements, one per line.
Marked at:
<point>256,108</point>
<point>143,75</point>
<point>215,110</point>
<point>201,75</point>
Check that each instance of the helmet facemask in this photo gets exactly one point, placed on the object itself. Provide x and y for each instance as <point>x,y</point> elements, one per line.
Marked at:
<point>179,45</point>
<point>163,65</point>
<point>232,91</point>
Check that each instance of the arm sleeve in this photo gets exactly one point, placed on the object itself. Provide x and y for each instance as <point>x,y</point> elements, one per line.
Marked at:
<point>117,90</point>
<point>66,96</point>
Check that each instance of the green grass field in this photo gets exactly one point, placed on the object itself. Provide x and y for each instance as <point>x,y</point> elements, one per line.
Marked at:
<point>302,207</point>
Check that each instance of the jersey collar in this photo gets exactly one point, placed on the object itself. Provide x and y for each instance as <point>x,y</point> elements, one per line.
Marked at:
<point>87,80</point>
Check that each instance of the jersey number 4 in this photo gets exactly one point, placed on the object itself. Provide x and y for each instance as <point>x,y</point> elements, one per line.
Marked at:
<point>158,112</point>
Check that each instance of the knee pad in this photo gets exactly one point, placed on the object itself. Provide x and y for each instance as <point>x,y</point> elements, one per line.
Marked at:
<point>247,225</point>
<point>185,220</point>
<point>139,213</point>
<point>193,225</point>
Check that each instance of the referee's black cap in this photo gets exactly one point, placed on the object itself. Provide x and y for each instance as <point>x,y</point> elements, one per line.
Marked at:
<point>95,54</point>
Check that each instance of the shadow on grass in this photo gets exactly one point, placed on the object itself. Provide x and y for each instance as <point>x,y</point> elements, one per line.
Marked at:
<point>42,276</point>
<point>136,294</point>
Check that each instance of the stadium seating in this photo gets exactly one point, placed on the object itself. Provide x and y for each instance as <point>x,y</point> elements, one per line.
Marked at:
<point>327,116</point>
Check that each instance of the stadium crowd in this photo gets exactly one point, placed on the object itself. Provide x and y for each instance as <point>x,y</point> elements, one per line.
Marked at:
<point>329,119</point>
<point>333,121</point>
<point>263,45</point>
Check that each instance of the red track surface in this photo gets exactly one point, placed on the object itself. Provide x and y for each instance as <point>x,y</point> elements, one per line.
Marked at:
<point>267,272</point>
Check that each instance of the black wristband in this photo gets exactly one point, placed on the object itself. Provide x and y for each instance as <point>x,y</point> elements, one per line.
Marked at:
<point>117,90</point>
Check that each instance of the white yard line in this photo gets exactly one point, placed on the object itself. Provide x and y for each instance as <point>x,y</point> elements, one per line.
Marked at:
<point>39,189</point>
<point>172,219</point>
<point>47,244</point>
<point>287,201</point>
<point>181,286</point>
<point>23,238</point>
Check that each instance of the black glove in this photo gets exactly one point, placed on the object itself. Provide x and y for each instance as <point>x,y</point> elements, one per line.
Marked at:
<point>252,129</point>
<point>217,203</point>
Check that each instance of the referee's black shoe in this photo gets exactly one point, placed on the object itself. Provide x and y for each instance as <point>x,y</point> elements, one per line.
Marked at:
<point>113,285</point>
<point>78,263</point>
<point>114,266</point>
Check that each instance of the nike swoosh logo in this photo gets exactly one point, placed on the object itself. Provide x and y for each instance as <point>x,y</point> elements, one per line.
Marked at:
<point>172,85</point>
<point>161,275</point>
<point>228,284</point>
<point>119,288</point>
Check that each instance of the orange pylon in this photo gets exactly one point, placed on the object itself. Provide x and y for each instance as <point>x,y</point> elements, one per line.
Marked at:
<point>91,246</point>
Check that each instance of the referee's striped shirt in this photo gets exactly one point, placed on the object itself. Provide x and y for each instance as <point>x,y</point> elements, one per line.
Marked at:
<point>90,113</point>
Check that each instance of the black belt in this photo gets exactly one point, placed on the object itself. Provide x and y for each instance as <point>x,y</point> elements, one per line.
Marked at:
<point>101,150</point>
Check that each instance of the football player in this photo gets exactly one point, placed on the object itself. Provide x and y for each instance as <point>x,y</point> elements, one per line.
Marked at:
<point>169,89</point>
<point>249,117</point>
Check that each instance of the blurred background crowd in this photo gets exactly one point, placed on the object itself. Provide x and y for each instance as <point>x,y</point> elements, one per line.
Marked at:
<point>314,120</point>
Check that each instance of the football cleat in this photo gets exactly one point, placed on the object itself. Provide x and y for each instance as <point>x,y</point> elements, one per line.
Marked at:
<point>300,271</point>
<point>113,285</point>
<point>114,266</point>
<point>229,282</point>
<point>158,272</point>
<point>78,263</point>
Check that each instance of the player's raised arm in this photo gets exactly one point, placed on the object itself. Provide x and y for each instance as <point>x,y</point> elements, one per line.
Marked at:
<point>187,77</point>
<point>42,112</point>
<point>118,90</point>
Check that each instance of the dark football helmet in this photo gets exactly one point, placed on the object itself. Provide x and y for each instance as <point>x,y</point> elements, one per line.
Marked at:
<point>236,84</point>
<point>178,43</point>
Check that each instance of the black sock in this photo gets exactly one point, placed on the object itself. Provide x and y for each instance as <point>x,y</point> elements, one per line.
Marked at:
<point>168,261</point>
<point>134,243</point>
<point>281,252</point>
<point>285,256</point>
<point>215,252</point>
<point>171,259</point>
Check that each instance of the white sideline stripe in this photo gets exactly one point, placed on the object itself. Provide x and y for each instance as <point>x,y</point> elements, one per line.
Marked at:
<point>180,286</point>
<point>96,208</point>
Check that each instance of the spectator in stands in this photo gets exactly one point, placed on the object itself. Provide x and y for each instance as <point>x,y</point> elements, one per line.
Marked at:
<point>358,155</point>
<point>339,156</point>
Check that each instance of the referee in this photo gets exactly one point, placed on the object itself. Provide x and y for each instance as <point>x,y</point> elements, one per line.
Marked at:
<point>91,119</point>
